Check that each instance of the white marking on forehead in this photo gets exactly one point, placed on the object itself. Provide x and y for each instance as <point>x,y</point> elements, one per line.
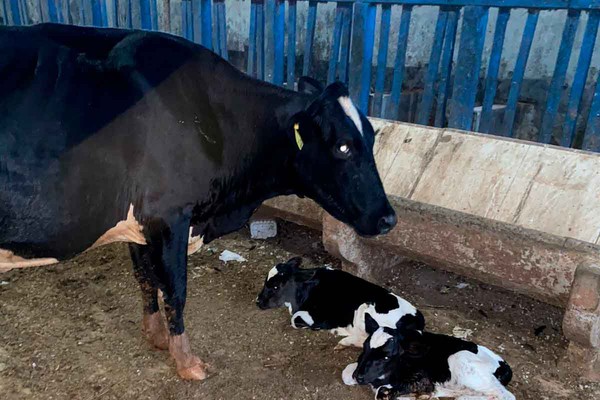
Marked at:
<point>272,272</point>
<point>351,112</point>
<point>379,338</point>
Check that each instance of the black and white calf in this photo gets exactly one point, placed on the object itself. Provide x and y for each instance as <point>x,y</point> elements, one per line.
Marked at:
<point>396,363</point>
<point>325,298</point>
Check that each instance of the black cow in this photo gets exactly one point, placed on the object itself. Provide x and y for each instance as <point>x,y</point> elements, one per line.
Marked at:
<point>121,135</point>
<point>326,298</point>
<point>397,363</point>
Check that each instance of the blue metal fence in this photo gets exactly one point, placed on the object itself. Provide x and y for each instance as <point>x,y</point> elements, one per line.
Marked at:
<point>454,79</point>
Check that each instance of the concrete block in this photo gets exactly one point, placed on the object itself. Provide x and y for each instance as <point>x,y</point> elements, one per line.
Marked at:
<point>263,228</point>
<point>582,317</point>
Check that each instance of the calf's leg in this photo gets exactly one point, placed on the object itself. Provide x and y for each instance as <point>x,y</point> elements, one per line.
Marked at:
<point>170,241</point>
<point>153,323</point>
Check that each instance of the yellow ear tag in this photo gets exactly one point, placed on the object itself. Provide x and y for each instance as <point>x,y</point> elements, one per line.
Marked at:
<point>299,141</point>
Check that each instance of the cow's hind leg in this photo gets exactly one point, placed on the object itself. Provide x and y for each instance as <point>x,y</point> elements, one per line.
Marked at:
<point>153,323</point>
<point>170,241</point>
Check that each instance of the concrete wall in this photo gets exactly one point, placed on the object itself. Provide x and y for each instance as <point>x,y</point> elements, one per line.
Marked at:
<point>516,214</point>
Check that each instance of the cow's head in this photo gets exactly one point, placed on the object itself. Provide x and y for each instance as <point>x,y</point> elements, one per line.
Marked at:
<point>334,161</point>
<point>281,285</point>
<point>380,354</point>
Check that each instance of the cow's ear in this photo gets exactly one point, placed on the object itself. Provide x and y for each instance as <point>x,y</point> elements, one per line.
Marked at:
<point>370,324</point>
<point>310,86</point>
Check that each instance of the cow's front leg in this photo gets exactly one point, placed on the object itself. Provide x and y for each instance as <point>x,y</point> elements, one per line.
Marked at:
<point>144,269</point>
<point>171,241</point>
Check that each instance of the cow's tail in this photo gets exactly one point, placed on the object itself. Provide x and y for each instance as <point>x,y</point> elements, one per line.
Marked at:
<point>503,373</point>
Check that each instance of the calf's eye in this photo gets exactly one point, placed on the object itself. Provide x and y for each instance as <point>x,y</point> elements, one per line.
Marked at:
<point>344,148</point>
<point>386,358</point>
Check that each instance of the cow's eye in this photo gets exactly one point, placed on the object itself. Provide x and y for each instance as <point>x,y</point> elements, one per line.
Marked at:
<point>386,358</point>
<point>275,287</point>
<point>343,149</point>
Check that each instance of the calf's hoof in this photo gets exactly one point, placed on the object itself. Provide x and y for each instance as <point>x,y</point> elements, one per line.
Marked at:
<point>155,330</point>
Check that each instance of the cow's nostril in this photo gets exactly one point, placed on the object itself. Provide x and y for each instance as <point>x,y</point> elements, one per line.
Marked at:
<point>386,223</point>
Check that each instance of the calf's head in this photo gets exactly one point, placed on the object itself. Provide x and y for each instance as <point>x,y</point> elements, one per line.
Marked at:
<point>282,284</point>
<point>334,161</point>
<point>380,353</point>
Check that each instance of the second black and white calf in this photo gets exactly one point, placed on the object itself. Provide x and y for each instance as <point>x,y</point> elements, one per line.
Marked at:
<point>325,298</point>
<point>396,363</point>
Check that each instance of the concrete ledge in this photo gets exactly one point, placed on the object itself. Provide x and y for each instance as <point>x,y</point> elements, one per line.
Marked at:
<point>536,264</point>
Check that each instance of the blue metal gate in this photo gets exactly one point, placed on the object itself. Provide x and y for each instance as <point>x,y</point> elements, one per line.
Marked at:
<point>450,89</point>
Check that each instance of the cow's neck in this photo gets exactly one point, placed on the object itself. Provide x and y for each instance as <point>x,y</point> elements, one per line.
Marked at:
<point>264,171</point>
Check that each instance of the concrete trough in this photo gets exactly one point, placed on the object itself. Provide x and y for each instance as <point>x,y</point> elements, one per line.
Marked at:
<point>515,214</point>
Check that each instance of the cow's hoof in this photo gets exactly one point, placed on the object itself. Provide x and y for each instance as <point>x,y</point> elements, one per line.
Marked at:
<point>196,372</point>
<point>155,330</point>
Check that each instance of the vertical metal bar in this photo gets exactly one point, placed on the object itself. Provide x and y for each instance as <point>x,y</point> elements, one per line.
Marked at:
<point>356,51</point>
<point>145,14</point>
<point>468,67</point>
<point>96,13</point>
<point>591,141</point>
<point>206,15</point>
<point>115,12</point>
<point>16,14</point>
<point>130,14</point>
<point>25,17</point>
<point>367,63</point>
<point>81,5</point>
<point>217,27</point>
<point>345,46</point>
<point>68,16</point>
<point>223,31</point>
<point>382,53</point>
<point>583,66</point>
<point>491,82</point>
<point>310,35</point>
<point>184,19</point>
<point>103,13</point>
<point>154,13</point>
<point>291,52</point>
<point>432,68</point>
<point>558,78</point>
<point>260,40</point>
<point>394,104</point>
<point>518,73</point>
<point>335,45</point>
<point>252,41</point>
<point>52,14</point>
<point>446,67</point>
<point>279,41</point>
<point>166,10</point>
<point>4,13</point>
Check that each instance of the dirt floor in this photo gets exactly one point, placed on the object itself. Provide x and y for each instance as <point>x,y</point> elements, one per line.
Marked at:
<point>73,330</point>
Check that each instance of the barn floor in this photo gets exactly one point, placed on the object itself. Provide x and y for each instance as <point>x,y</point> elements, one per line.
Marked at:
<point>72,330</point>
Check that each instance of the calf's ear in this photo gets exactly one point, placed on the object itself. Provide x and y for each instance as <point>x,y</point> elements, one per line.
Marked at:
<point>295,262</point>
<point>370,324</point>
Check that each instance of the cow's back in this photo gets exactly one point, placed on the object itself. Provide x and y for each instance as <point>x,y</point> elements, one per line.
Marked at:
<point>73,135</point>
